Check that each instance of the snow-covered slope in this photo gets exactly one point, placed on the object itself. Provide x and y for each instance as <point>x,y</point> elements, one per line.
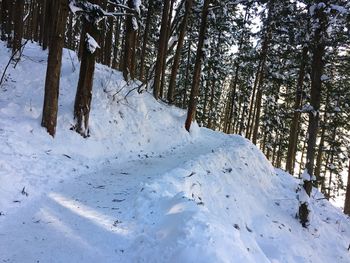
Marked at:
<point>141,189</point>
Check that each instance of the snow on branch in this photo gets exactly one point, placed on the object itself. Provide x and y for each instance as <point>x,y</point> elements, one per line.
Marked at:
<point>94,13</point>
<point>92,44</point>
<point>307,108</point>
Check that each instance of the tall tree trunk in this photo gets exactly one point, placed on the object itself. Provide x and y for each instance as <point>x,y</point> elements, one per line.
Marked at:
<point>187,74</point>
<point>197,67</point>
<point>145,40</point>
<point>165,52</point>
<point>41,16</point>
<point>319,179</point>
<point>129,45</point>
<point>49,12</point>
<point>161,49</point>
<point>206,95</point>
<point>9,23</point>
<point>252,100</point>
<point>293,135</point>
<point>109,38</point>
<point>4,19</point>
<point>347,197</point>
<point>211,102</point>
<point>329,188</point>
<point>116,43</point>
<point>35,21</point>
<point>82,104</point>
<point>233,88</point>
<point>53,71</point>
<point>301,163</point>
<point>175,67</point>
<point>263,58</point>
<point>315,100</point>
<point>234,83</point>
<point>18,25</point>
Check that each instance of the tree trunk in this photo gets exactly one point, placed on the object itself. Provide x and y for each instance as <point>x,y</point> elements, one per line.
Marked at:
<point>197,67</point>
<point>4,19</point>
<point>9,23</point>
<point>187,74</point>
<point>161,49</point>
<point>129,44</point>
<point>53,72</point>
<point>319,179</point>
<point>293,135</point>
<point>165,52</point>
<point>145,40</point>
<point>251,105</point>
<point>18,26</point>
<point>85,83</point>
<point>347,197</point>
<point>264,51</point>
<point>175,67</point>
<point>116,43</point>
<point>109,38</point>
<point>48,23</point>
<point>315,100</point>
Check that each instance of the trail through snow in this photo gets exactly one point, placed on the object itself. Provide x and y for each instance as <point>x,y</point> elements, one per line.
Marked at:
<point>92,217</point>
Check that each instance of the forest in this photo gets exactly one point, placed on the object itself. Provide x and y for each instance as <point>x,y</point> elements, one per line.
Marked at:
<point>274,72</point>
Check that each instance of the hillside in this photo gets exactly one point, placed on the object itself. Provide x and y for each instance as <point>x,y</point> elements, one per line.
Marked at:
<point>140,188</point>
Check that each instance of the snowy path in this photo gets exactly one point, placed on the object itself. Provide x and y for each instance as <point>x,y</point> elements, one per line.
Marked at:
<point>92,217</point>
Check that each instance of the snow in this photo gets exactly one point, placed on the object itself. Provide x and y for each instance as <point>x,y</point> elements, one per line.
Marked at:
<point>92,43</point>
<point>140,188</point>
<point>340,9</point>
<point>325,78</point>
<point>137,5</point>
<point>73,8</point>
<point>135,25</point>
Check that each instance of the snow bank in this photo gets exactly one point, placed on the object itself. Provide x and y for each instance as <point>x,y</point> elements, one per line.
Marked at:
<point>232,206</point>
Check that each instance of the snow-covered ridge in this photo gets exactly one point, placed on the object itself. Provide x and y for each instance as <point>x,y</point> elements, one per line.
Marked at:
<point>142,189</point>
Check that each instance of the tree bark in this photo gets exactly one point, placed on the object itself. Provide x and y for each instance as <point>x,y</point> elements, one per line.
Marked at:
<point>293,135</point>
<point>175,67</point>
<point>347,196</point>
<point>145,40</point>
<point>4,19</point>
<point>107,52</point>
<point>18,26</point>
<point>187,74</point>
<point>129,44</point>
<point>48,23</point>
<point>83,96</point>
<point>161,50</point>
<point>197,68</point>
<point>315,100</point>
<point>53,71</point>
<point>9,23</point>
<point>263,58</point>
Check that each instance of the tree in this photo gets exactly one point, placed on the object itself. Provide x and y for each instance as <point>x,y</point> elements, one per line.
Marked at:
<point>49,118</point>
<point>18,25</point>
<point>347,198</point>
<point>293,134</point>
<point>150,12</point>
<point>197,68</point>
<point>83,96</point>
<point>131,28</point>
<point>318,49</point>
<point>161,49</point>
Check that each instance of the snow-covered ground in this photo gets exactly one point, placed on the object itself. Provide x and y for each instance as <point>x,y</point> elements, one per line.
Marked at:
<point>140,188</point>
